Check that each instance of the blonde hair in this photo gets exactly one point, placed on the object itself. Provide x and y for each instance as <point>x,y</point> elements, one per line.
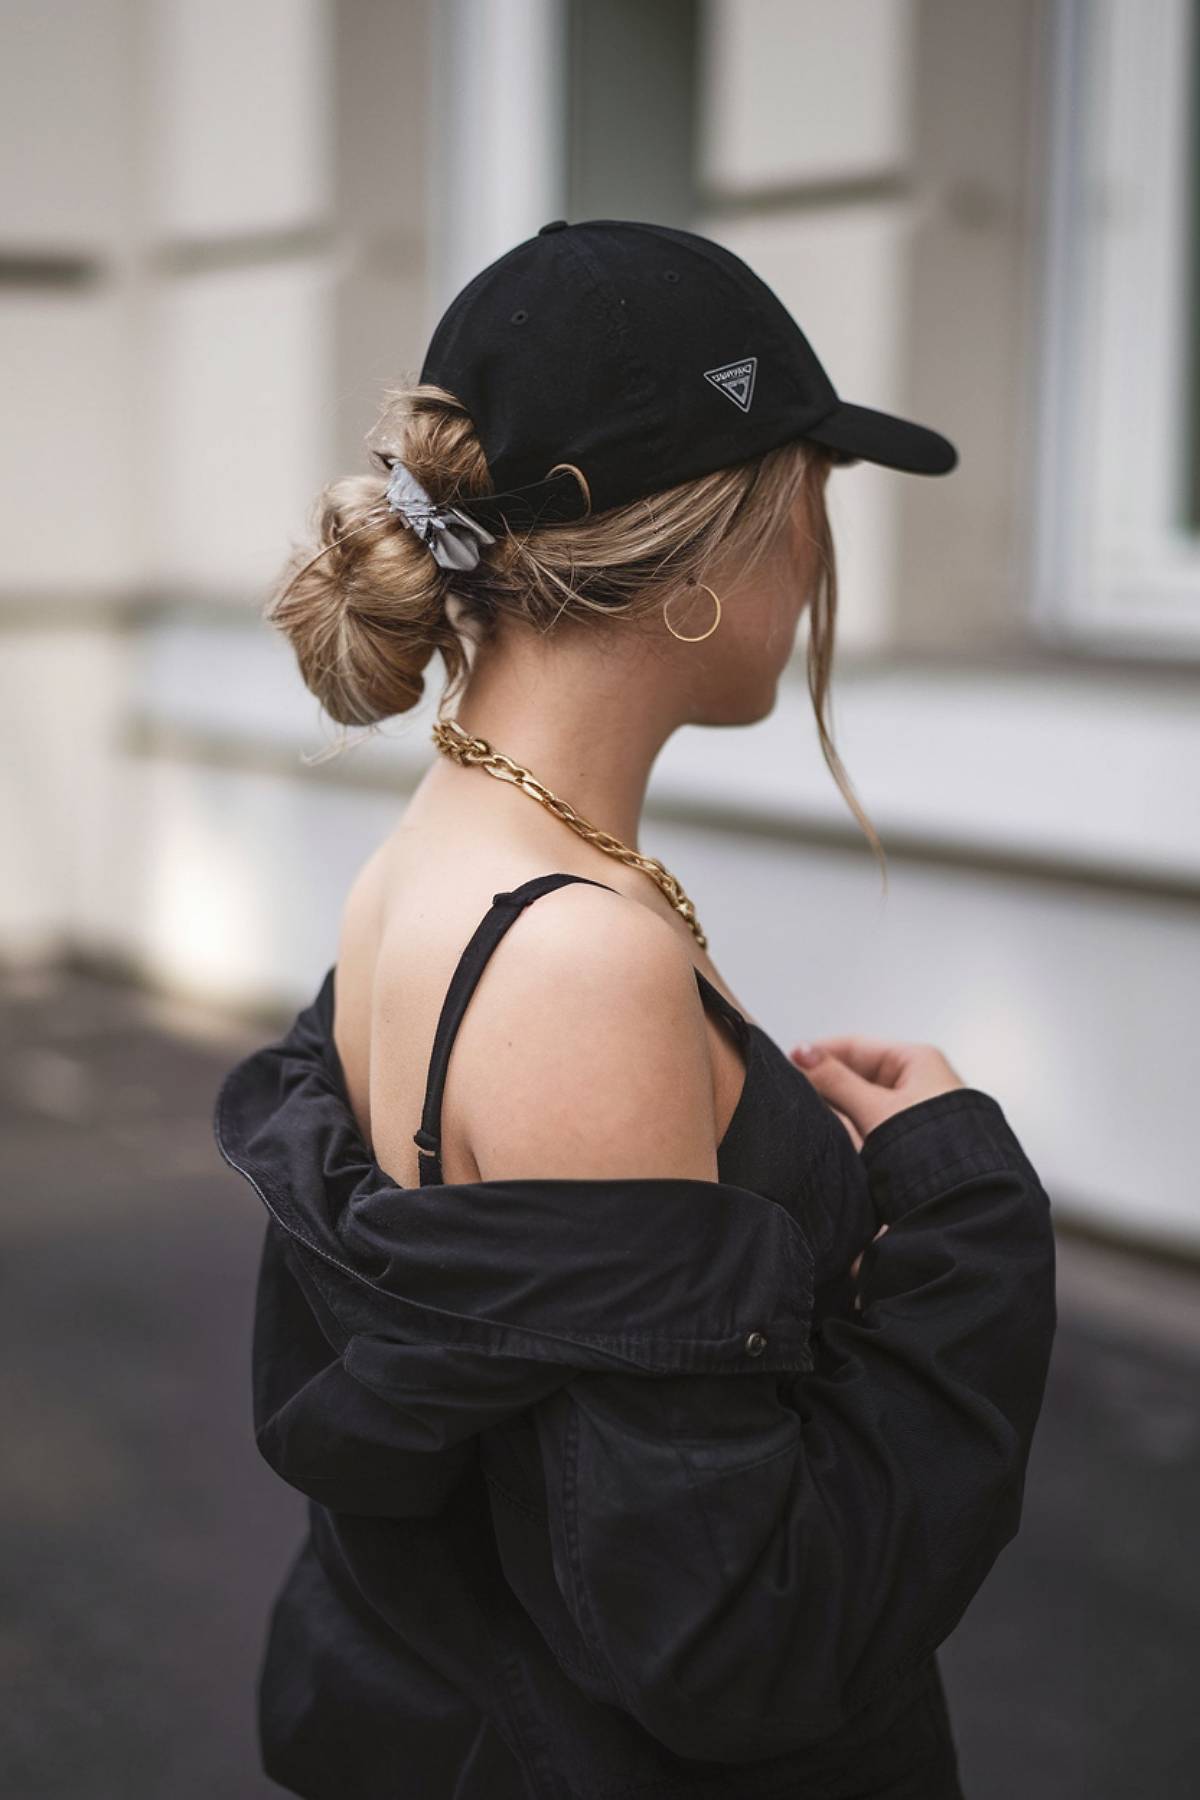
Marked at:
<point>365,607</point>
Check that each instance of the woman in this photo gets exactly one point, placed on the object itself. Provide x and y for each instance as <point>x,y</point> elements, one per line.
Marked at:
<point>662,1399</point>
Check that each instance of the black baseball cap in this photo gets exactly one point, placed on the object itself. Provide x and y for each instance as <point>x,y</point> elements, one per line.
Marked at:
<point>643,355</point>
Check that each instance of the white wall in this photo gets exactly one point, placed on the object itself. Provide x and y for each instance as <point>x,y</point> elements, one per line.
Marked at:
<point>806,134</point>
<point>1052,952</point>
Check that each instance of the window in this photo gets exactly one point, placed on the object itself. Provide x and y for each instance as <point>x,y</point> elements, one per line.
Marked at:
<point>632,87</point>
<point>1191,486</point>
<point>1118,491</point>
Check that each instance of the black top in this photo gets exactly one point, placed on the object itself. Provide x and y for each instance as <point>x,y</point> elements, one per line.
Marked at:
<point>611,1492</point>
<point>773,1143</point>
<point>757,1092</point>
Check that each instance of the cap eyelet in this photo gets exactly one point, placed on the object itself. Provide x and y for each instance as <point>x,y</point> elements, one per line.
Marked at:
<point>519,317</point>
<point>755,1344</point>
<point>670,274</point>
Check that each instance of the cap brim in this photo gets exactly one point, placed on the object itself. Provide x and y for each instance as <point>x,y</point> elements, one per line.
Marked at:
<point>880,437</point>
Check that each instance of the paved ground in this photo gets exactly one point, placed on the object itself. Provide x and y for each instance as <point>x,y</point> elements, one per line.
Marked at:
<point>145,1539</point>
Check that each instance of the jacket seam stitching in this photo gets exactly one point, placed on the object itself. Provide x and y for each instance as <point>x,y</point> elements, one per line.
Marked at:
<point>515,1500</point>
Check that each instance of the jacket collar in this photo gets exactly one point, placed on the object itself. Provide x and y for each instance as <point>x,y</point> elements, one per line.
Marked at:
<point>649,1275</point>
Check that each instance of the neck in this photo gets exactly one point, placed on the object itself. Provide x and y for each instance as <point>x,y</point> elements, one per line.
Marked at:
<point>586,717</point>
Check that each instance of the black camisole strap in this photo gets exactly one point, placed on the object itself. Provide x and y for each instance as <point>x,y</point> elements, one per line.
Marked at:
<point>504,909</point>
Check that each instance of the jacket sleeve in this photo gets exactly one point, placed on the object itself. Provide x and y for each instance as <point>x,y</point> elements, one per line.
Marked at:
<point>751,1558</point>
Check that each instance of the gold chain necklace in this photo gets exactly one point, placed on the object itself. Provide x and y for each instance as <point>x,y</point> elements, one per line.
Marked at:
<point>462,747</point>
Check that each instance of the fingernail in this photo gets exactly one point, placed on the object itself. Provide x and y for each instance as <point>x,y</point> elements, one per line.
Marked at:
<point>807,1053</point>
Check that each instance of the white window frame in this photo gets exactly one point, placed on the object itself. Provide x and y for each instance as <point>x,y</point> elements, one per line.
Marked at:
<point>1115,569</point>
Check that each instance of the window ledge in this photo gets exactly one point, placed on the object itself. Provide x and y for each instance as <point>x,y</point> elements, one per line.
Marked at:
<point>1078,770</point>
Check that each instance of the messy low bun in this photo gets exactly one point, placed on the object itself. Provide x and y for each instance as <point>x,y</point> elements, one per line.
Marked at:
<point>364,605</point>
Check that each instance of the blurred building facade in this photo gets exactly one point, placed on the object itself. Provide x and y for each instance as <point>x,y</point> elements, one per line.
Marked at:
<point>227,225</point>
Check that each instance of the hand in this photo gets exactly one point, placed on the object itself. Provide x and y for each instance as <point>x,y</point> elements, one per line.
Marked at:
<point>857,1263</point>
<point>865,1080</point>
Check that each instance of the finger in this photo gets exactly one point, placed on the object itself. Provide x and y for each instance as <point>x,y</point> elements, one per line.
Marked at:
<point>854,1134</point>
<point>846,1091</point>
<point>857,1263</point>
<point>877,1059</point>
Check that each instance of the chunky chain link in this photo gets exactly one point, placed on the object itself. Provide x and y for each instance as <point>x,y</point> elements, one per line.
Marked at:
<point>463,747</point>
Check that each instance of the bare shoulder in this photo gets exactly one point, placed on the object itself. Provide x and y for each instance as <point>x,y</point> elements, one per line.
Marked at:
<point>587,1055</point>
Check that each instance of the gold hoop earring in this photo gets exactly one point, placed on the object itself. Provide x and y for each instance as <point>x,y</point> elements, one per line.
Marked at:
<point>700,636</point>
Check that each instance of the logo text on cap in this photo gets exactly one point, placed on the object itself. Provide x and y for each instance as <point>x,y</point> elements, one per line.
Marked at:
<point>736,379</point>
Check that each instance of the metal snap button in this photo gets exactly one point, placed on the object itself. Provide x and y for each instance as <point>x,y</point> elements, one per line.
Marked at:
<point>756,1343</point>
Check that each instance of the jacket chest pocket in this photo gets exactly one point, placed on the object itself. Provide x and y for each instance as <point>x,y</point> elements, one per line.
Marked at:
<point>511,1461</point>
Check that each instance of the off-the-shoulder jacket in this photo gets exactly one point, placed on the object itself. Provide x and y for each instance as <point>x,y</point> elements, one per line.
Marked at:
<point>731,1538</point>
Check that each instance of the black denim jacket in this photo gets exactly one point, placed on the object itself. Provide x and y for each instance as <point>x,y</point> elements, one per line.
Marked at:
<point>582,1436</point>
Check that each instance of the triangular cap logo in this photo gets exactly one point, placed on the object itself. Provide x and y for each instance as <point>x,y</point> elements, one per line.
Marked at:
<point>736,379</point>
